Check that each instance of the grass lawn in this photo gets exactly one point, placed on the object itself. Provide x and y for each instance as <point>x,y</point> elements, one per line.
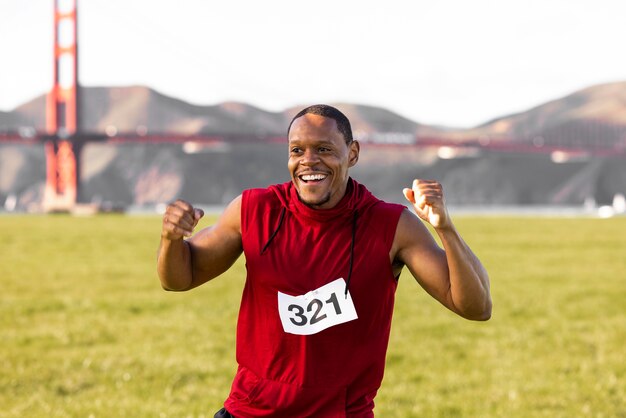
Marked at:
<point>86,331</point>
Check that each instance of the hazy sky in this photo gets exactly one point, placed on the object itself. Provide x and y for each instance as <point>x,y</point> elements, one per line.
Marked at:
<point>452,62</point>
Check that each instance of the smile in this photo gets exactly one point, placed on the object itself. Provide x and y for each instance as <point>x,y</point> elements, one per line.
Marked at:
<point>312,177</point>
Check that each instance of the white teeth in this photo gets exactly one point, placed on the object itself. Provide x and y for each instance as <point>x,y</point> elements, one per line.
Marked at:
<point>312,177</point>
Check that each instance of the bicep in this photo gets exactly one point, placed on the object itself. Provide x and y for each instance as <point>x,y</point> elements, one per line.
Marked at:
<point>216,248</point>
<point>418,250</point>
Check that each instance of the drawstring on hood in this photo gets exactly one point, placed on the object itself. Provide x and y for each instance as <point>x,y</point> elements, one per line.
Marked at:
<point>351,252</point>
<point>280,223</point>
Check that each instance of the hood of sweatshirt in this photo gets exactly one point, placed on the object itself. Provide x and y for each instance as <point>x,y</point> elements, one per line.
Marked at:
<point>356,199</point>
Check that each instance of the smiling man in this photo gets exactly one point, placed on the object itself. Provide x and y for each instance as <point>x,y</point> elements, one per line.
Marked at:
<point>320,155</point>
<point>323,259</point>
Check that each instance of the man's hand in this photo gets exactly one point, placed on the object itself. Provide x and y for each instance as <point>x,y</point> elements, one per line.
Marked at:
<point>179,220</point>
<point>426,196</point>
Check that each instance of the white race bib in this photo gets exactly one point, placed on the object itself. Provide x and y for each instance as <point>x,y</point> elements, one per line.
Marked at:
<point>316,310</point>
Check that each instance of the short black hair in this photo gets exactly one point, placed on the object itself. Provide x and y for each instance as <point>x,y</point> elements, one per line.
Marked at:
<point>343,124</point>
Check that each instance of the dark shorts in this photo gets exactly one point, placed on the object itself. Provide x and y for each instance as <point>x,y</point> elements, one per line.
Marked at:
<point>223,413</point>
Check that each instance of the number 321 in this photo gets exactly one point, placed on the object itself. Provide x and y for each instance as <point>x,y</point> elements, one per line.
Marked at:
<point>316,305</point>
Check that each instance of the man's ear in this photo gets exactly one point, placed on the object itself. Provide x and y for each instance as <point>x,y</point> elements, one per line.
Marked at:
<point>355,148</point>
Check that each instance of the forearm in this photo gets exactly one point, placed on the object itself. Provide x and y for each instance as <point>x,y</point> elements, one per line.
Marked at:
<point>174,264</point>
<point>469,281</point>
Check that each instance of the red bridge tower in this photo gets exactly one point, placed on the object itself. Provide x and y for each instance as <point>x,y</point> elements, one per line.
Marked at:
<point>62,113</point>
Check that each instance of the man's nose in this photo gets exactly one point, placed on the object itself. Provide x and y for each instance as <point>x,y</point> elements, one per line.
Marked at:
<point>310,157</point>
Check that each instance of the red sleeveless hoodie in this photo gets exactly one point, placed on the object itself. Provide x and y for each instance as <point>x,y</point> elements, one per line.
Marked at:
<point>291,249</point>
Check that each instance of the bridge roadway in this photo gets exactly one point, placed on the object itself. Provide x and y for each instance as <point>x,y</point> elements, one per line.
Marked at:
<point>503,145</point>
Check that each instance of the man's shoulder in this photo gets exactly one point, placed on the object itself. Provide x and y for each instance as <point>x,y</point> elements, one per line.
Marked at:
<point>383,207</point>
<point>383,216</point>
<point>258,192</point>
<point>271,195</point>
<point>369,201</point>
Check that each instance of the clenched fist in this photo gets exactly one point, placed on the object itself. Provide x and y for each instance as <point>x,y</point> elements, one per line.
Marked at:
<point>179,220</point>
<point>427,199</point>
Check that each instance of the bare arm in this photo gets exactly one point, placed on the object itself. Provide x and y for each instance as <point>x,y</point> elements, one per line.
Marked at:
<point>452,275</point>
<point>185,264</point>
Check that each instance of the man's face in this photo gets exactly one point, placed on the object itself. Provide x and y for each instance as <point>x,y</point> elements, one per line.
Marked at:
<point>319,159</point>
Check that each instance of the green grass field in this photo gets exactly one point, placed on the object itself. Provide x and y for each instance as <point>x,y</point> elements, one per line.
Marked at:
<point>86,330</point>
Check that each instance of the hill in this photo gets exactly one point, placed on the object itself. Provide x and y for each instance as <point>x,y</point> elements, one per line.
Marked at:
<point>598,112</point>
<point>147,174</point>
<point>570,118</point>
<point>129,109</point>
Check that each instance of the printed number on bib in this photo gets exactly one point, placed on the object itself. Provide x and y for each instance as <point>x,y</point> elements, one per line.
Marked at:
<point>317,310</point>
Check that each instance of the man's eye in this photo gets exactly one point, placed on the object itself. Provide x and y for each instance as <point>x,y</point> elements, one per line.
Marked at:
<point>324,149</point>
<point>296,150</point>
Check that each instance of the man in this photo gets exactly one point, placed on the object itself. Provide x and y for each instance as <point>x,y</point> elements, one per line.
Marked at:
<point>323,257</point>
